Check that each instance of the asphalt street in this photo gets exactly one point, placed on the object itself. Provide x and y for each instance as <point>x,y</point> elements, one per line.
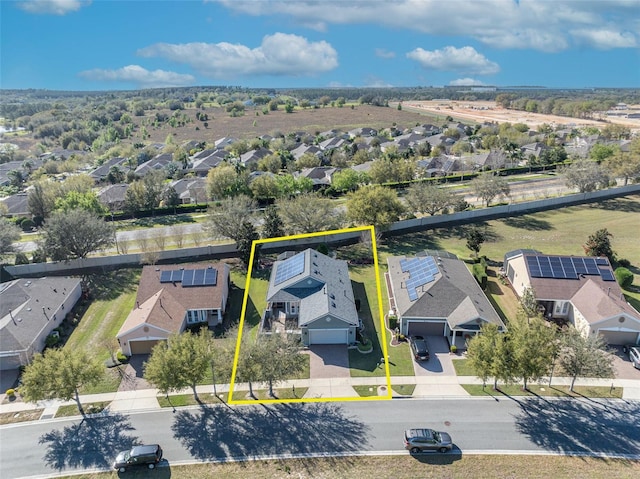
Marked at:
<point>589,427</point>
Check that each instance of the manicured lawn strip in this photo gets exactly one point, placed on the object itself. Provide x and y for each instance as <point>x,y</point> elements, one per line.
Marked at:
<point>546,391</point>
<point>403,389</point>
<point>20,416</point>
<point>89,408</point>
<point>463,367</point>
<point>366,391</point>
<point>260,394</point>
<point>425,466</point>
<point>179,400</point>
<point>109,383</point>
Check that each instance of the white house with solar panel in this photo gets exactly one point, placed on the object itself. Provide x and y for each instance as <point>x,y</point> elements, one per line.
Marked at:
<point>171,298</point>
<point>310,294</point>
<point>581,290</point>
<point>435,294</point>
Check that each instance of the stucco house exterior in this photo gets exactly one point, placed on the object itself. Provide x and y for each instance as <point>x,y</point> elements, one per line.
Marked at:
<point>434,293</point>
<point>30,309</point>
<point>170,298</point>
<point>581,290</point>
<point>312,294</point>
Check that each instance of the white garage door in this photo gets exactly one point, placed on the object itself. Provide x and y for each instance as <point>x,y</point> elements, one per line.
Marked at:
<point>328,336</point>
<point>142,347</point>
<point>619,337</point>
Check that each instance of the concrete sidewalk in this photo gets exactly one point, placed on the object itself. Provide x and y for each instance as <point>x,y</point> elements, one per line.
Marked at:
<point>425,386</point>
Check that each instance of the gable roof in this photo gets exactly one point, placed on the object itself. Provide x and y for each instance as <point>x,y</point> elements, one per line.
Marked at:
<point>164,304</point>
<point>453,294</point>
<point>320,283</point>
<point>27,306</point>
<point>596,304</point>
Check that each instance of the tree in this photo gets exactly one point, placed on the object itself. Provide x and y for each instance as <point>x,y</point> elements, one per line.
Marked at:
<point>347,180</point>
<point>482,350</point>
<point>374,205</point>
<point>392,170</point>
<point>227,217</point>
<point>600,152</point>
<point>533,347</point>
<point>625,165</point>
<point>60,374</point>
<point>586,175</point>
<point>475,237</point>
<point>488,186</point>
<point>308,213</point>
<point>599,244</point>
<point>246,236</point>
<point>86,201</point>
<point>584,355</point>
<point>265,187</point>
<point>9,234</point>
<point>183,360</point>
<point>428,197</point>
<point>75,234</point>
<point>153,183</point>
<point>170,198</point>
<point>134,198</point>
<point>528,302</point>
<point>271,163</point>
<point>41,200</point>
<point>280,358</point>
<point>225,181</point>
<point>16,178</point>
<point>289,186</point>
<point>272,226</point>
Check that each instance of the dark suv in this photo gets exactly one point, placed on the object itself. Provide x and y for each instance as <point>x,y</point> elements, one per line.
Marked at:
<point>419,348</point>
<point>148,456</point>
<point>418,440</point>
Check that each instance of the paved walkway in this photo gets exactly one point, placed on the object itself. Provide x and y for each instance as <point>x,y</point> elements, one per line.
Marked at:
<point>443,386</point>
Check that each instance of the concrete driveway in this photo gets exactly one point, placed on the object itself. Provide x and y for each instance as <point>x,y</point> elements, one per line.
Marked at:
<point>439,363</point>
<point>623,367</point>
<point>329,361</point>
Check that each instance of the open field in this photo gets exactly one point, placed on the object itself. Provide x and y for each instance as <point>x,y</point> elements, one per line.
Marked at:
<point>481,111</point>
<point>424,466</point>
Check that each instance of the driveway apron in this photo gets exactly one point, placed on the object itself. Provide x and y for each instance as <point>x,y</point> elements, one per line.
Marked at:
<point>329,361</point>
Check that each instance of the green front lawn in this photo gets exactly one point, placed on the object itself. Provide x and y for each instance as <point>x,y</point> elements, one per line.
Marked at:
<point>546,391</point>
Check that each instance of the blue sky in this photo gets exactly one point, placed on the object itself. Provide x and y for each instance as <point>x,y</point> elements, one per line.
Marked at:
<point>113,44</point>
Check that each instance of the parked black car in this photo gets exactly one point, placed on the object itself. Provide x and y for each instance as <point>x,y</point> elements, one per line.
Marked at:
<point>419,348</point>
<point>149,456</point>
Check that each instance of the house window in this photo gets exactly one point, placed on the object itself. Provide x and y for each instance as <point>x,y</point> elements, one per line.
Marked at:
<point>565,308</point>
<point>294,308</point>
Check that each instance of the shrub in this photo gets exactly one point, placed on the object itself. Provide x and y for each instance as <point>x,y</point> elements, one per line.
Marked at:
<point>453,348</point>
<point>624,277</point>
<point>323,248</point>
<point>479,272</point>
<point>11,392</point>
<point>121,357</point>
<point>625,263</point>
<point>21,258</point>
<point>52,340</point>
<point>393,322</point>
<point>27,224</point>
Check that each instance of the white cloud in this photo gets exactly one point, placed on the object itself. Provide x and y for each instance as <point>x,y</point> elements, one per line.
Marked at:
<point>465,59</point>
<point>53,7</point>
<point>606,39</point>
<point>466,82</point>
<point>140,76</point>
<point>279,54</point>
<point>382,53</point>
<point>536,24</point>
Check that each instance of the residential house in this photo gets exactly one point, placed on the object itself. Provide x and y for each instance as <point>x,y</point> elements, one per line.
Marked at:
<point>580,290</point>
<point>172,297</point>
<point>100,173</point>
<point>304,149</point>
<point>311,293</point>
<point>363,132</point>
<point>113,196</point>
<point>17,205</point>
<point>251,158</point>
<point>434,293</point>
<point>320,175</point>
<point>201,164</point>
<point>158,162</point>
<point>191,190</point>
<point>30,309</point>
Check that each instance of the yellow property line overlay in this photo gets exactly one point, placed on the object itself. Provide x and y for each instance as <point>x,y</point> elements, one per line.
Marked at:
<point>383,330</point>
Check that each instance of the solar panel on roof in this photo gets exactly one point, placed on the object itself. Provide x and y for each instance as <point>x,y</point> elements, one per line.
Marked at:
<point>607,275</point>
<point>165,276</point>
<point>592,267</point>
<point>198,277</point>
<point>602,261</point>
<point>187,278</point>
<point>289,268</point>
<point>421,271</point>
<point>210,277</point>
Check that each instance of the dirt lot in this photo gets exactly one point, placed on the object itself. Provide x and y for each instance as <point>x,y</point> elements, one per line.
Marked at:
<point>480,111</point>
<point>254,124</point>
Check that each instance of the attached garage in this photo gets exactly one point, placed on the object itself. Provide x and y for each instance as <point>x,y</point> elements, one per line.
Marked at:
<point>620,337</point>
<point>425,328</point>
<point>142,347</point>
<point>329,336</point>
